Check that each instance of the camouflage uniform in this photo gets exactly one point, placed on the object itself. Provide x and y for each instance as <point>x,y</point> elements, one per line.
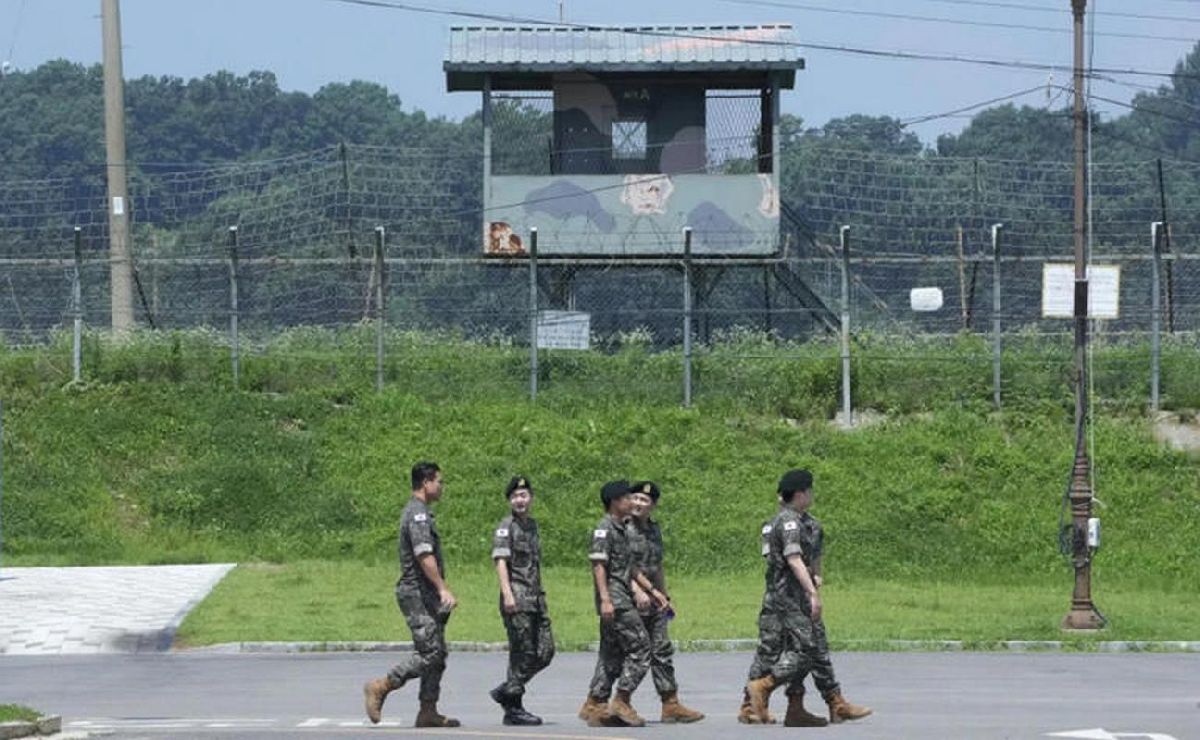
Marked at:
<point>624,643</point>
<point>662,668</point>
<point>787,646</point>
<point>770,623</point>
<point>530,641</point>
<point>420,603</point>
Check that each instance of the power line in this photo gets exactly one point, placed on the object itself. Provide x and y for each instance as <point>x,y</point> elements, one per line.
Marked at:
<point>836,48</point>
<point>947,21</point>
<point>1065,11</point>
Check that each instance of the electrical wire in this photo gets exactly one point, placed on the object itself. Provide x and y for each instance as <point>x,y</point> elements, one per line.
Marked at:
<point>836,48</point>
<point>944,21</point>
<point>1062,10</point>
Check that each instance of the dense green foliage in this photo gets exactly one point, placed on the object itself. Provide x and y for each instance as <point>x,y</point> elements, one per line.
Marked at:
<point>156,459</point>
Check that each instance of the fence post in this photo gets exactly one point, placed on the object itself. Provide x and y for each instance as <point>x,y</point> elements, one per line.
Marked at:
<point>533,314</point>
<point>847,419</point>
<point>997,230</point>
<point>1156,234</point>
<point>687,316</point>
<point>77,310</point>
<point>380,314</point>
<point>1,478</point>
<point>233,304</point>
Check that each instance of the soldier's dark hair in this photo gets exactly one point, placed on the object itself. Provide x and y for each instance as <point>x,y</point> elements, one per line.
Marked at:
<point>423,472</point>
<point>648,487</point>
<point>612,491</point>
<point>793,481</point>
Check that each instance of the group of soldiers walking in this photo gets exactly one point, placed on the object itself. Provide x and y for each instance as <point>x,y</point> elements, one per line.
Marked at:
<point>633,605</point>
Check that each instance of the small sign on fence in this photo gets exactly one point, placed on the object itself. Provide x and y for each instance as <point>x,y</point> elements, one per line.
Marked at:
<point>1058,291</point>
<point>564,330</point>
<point>924,300</point>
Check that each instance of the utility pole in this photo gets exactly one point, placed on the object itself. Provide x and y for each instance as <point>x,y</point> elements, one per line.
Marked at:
<point>1083,614</point>
<point>119,255</point>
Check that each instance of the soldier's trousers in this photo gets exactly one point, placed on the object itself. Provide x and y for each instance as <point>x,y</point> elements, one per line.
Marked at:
<point>624,655</point>
<point>796,646</point>
<point>428,659</point>
<point>530,649</point>
<point>662,667</point>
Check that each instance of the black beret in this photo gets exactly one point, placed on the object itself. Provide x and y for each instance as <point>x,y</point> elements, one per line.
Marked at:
<point>613,490</point>
<point>795,480</point>
<point>648,487</point>
<point>518,482</point>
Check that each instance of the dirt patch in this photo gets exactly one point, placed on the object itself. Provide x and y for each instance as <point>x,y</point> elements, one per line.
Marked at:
<point>1180,431</point>
<point>859,419</point>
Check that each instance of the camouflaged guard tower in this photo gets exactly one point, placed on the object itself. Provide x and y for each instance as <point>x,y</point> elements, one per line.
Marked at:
<point>611,140</point>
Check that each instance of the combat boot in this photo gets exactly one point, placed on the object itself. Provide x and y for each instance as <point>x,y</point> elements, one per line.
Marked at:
<point>593,709</point>
<point>374,693</point>
<point>798,716</point>
<point>841,710</point>
<point>759,690</point>
<point>673,711</point>
<point>747,716</point>
<point>517,714</point>
<point>429,717</point>
<point>622,709</point>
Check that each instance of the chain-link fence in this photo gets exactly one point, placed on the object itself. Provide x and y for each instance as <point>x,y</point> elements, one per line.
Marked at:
<point>306,242</point>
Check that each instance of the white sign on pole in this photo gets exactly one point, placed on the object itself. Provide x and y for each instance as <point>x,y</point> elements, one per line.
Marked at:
<point>564,330</point>
<point>925,299</point>
<point>118,204</point>
<point>1058,291</point>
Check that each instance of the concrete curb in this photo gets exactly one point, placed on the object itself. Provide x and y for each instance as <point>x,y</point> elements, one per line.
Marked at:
<point>49,727</point>
<point>745,645</point>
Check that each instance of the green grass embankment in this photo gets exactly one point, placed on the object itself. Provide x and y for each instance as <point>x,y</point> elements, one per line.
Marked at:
<point>155,459</point>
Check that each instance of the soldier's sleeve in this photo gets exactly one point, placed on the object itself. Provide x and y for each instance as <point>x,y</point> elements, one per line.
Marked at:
<point>420,534</point>
<point>766,539</point>
<point>792,537</point>
<point>818,548</point>
<point>502,541</point>
<point>598,552</point>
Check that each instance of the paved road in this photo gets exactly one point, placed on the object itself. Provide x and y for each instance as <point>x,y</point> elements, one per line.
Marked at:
<point>98,610</point>
<point>915,695</point>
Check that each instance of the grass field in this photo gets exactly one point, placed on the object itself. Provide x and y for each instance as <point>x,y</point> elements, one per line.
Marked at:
<point>17,713</point>
<point>338,601</point>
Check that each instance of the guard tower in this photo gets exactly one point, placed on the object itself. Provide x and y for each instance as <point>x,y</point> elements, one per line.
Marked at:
<point>611,140</point>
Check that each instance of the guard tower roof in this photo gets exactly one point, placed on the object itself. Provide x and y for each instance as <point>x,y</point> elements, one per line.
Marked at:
<point>527,57</point>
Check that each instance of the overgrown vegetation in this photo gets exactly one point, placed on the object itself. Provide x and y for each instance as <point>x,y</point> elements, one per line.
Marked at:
<point>18,713</point>
<point>156,459</point>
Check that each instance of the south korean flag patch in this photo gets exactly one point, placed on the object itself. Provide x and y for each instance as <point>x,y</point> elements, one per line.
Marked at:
<point>502,532</point>
<point>789,526</point>
<point>600,534</point>
<point>420,517</point>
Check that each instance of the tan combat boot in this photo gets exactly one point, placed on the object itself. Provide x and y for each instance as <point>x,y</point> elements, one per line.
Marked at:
<point>673,711</point>
<point>841,710</point>
<point>759,691</point>
<point>374,692</point>
<point>747,716</point>
<point>798,716</point>
<point>593,709</point>
<point>429,717</point>
<point>621,708</point>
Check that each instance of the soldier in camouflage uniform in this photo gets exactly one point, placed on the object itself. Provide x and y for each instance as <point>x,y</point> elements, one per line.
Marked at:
<point>792,634</point>
<point>425,600</point>
<point>517,552</point>
<point>624,643</point>
<point>656,619</point>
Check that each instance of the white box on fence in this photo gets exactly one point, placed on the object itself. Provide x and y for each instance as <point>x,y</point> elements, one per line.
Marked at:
<point>564,330</point>
<point>924,300</point>
<point>1058,291</point>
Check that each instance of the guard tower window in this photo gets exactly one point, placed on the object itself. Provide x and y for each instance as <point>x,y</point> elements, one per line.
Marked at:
<point>629,138</point>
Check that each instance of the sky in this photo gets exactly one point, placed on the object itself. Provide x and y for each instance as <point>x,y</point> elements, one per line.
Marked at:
<point>310,43</point>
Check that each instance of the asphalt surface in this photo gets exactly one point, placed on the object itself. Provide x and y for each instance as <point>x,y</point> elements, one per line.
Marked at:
<point>915,695</point>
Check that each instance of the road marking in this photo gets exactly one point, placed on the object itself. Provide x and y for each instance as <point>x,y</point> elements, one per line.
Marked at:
<point>1099,733</point>
<point>449,732</point>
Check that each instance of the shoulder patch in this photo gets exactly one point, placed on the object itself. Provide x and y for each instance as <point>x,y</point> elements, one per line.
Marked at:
<point>502,532</point>
<point>420,517</point>
<point>789,526</point>
<point>600,533</point>
<point>766,529</point>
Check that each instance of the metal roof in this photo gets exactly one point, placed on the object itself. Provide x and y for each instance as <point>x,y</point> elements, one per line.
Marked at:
<point>530,52</point>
